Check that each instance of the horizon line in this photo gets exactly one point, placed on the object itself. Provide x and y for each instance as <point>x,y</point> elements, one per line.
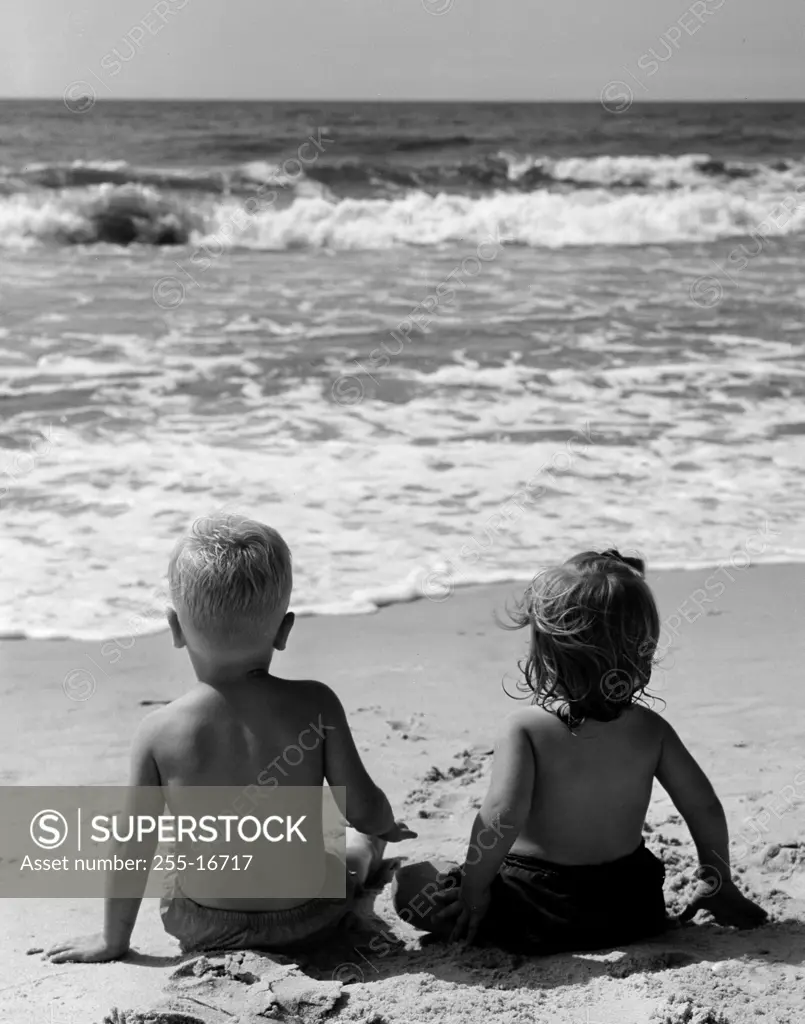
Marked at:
<point>352,99</point>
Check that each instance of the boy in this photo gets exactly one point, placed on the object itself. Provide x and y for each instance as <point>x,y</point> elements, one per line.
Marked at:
<point>230,581</point>
<point>556,859</point>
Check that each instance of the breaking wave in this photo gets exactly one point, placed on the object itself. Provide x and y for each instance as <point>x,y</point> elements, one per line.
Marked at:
<point>530,201</point>
<point>139,214</point>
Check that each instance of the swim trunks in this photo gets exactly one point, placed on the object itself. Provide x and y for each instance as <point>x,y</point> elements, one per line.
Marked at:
<point>208,928</point>
<point>540,907</point>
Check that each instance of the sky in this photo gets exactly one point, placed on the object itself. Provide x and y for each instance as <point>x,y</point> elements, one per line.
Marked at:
<point>404,49</point>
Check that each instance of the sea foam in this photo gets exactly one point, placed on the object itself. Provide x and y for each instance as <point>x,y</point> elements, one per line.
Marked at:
<point>540,219</point>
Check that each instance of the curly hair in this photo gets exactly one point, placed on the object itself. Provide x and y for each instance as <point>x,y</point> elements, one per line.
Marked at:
<point>594,632</point>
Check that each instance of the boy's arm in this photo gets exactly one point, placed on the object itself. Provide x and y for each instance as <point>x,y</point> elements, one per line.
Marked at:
<point>120,913</point>
<point>695,799</point>
<point>368,809</point>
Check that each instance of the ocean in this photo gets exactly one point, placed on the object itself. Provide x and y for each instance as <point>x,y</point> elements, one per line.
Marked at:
<point>433,344</point>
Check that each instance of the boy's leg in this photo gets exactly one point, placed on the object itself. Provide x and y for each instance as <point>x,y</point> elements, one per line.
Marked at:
<point>415,887</point>
<point>364,857</point>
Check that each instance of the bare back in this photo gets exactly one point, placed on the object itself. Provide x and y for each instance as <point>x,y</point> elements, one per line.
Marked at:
<point>591,787</point>
<point>259,731</point>
<point>252,733</point>
<point>267,733</point>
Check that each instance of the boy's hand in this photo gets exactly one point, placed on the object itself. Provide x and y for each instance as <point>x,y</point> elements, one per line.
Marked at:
<point>398,832</point>
<point>88,949</point>
<point>727,905</point>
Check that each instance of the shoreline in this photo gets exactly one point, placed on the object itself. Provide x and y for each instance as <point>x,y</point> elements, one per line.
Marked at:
<point>394,595</point>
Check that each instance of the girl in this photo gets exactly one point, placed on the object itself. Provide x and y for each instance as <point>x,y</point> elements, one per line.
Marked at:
<point>556,858</point>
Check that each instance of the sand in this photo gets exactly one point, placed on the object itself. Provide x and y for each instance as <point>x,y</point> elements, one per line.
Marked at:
<point>422,686</point>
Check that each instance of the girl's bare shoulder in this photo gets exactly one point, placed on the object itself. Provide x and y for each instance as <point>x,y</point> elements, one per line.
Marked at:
<point>534,720</point>
<point>646,720</point>
<point>540,721</point>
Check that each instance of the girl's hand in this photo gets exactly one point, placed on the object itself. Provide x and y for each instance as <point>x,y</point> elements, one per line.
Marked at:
<point>727,905</point>
<point>472,910</point>
<point>449,900</point>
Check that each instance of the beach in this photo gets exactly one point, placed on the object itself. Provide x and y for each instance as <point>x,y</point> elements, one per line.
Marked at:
<point>422,683</point>
<point>435,345</point>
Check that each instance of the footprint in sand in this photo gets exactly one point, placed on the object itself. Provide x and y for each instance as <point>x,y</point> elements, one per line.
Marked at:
<point>442,793</point>
<point>787,861</point>
<point>409,728</point>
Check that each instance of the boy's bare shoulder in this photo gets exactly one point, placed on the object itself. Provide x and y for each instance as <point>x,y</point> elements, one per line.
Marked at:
<point>171,720</point>
<point>311,692</point>
<point>190,703</point>
<point>311,687</point>
<point>203,705</point>
<point>159,720</point>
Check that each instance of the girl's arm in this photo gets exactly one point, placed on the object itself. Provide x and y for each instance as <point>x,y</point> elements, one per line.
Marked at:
<point>695,799</point>
<point>498,823</point>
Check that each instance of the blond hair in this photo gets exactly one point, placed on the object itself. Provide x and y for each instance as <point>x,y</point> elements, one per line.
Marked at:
<point>230,575</point>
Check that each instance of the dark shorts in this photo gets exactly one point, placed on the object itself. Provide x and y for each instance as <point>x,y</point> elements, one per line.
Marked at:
<point>539,907</point>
